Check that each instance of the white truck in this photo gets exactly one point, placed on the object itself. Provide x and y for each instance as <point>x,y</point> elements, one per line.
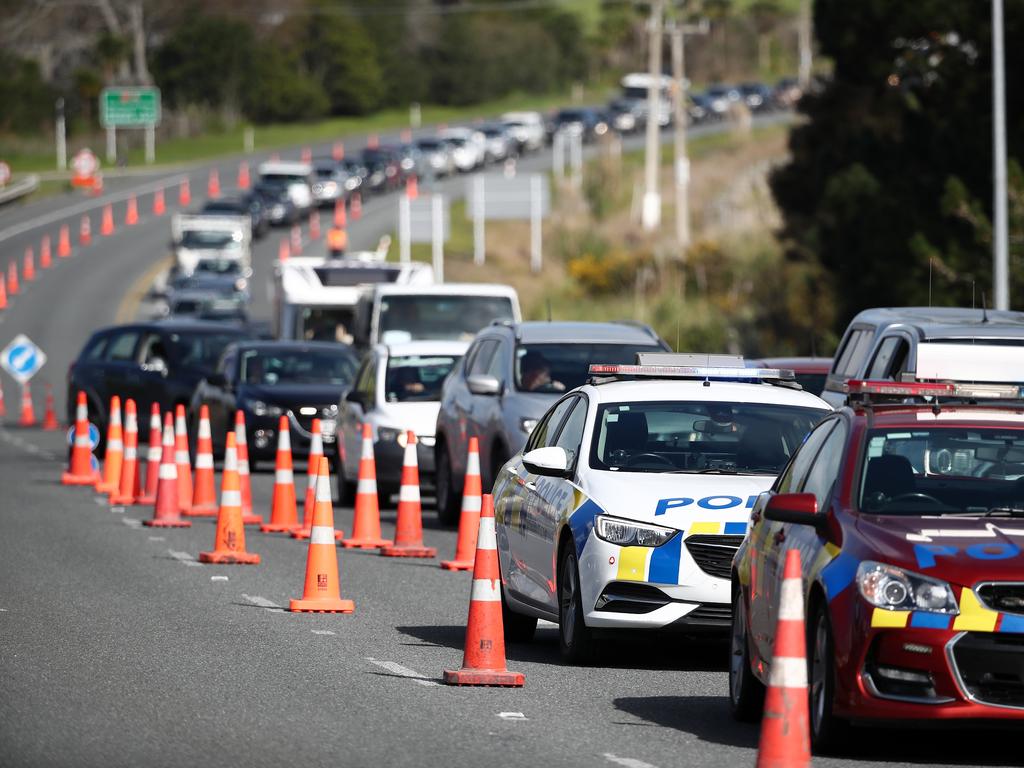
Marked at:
<point>217,238</point>
<point>314,297</point>
<point>527,128</point>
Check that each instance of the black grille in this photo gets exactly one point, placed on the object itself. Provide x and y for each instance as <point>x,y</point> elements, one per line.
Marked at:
<point>991,666</point>
<point>713,614</point>
<point>1005,598</point>
<point>713,554</point>
<point>624,597</point>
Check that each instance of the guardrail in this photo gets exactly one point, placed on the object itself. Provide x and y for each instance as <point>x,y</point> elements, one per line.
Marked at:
<point>20,188</point>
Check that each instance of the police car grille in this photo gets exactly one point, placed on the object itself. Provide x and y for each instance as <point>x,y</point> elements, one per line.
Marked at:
<point>1005,598</point>
<point>991,667</point>
<point>711,613</point>
<point>713,554</point>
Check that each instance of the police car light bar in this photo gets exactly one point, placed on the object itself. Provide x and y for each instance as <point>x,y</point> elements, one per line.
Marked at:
<point>933,389</point>
<point>692,372</point>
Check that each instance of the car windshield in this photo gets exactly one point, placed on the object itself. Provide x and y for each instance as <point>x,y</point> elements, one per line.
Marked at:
<point>565,366</point>
<point>429,145</point>
<point>218,267</point>
<point>229,207</point>
<point>201,350</point>
<point>451,318</point>
<point>699,436</point>
<point>943,470</point>
<point>196,238</point>
<point>325,323</point>
<point>297,366</point>
<point>417,378</point>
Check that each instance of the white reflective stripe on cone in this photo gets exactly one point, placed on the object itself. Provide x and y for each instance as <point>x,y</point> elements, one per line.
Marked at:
<point>786,672</point>
<point>115,445</point>
<point>231,498</point>
<point>283,476</point>
<point>367,485</point>
<point>230,459</point>
<point>168,472</point>
<point>323,490</point>
<point>204,428</point>
<point>204,461</point>
<point>408,493</point>
<point>181,457</point>
<point>81,440</point>
<point>367,448</point>
<point>153,454</point>
<point>473,464</point>
<point>321,534</point>
<point>243,466</point>
<point>486,591</point>
<point>284,440</point>
<point>81,412</point>
<point>129,452</point>
<point>486,538</point>
<point>471,503</point>
<point>791,603</point>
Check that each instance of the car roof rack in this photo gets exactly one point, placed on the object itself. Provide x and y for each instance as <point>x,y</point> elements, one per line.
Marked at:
<point>691,366</point>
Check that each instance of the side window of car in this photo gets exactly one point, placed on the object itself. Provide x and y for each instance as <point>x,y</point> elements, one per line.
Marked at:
<point>121,347</point>
<point>547,428</point>
<point>481,360</point>
<point>854,352</point>
<point>821,477</point>
<point>792,477</point>
<point>153,348</point>
<point>496,367</point>
<point>889,359</point>
<point>96,347</point>
<point>571,434</point>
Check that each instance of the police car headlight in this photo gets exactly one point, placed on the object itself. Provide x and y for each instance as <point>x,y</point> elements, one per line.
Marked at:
<point>260,408</point>
<point>627,533</point>
<point>894,589</point>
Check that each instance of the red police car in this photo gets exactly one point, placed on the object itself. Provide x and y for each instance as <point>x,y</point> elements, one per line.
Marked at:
<point>907,507</point>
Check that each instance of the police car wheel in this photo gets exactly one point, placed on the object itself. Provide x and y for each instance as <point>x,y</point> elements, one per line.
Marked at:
<point>447,498</point>
<point>518,628</point>
<point>746,692</point>
<point>827,731</point>
<point>575,638</point>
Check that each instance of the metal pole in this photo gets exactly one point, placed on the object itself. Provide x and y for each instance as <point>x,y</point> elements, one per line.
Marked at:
<point>535,223</point>
<point>479,219</point>
<point>682,160</point>
<point>415,115</point>
<point>804,41</point>
<point>1000,239</point>
<point>61,136</point>
<point>404,230</point>
<point>437,232</point>
<point>248,139</point>
<point>650,215</point>
<point>111,145</point>
<point>558,155</point>
<point>150,144</point>
<point>576,159</point>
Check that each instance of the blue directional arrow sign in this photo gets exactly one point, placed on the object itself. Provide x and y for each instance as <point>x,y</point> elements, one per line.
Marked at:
<point>94,436</point>
<point>22,358</point>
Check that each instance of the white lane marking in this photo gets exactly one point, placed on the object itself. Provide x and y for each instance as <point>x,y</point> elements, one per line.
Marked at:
<point>157,538</point>
<point>131,522</point>
<point>262,602</point>
<point>398,669</point>
<point>32,449</point>
<point>218,578</point>
<point>183,557</point>
<point>628,762</point>
<point>512,716</point>
<point>322,632</point>
<point>117,509</point>
<point>3,610</point>
<point>101,501</point>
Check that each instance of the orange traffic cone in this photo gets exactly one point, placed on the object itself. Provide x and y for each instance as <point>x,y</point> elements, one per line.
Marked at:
<point>12,279</point>
<point>29,269</point>
<point>314,225</point>
<point>307,155</point>
<point>153,454</point>
<point>366,521</point>
<point>242,450</point>
<point>131,212</point>
<point>409,523</point>
<point>64,242</point>
<point>469,520</point>
<point>28,413</point>
<point>166,512</point>
<point>483,662</point>
<point>213,184</point>
<point>128,484</point>
<point>283,515</point>
<point>322,593</point>
<point>80,468</point>
<point>204,488</point>
<point>229,545</point>
<point>45,256</point>
<point>85,230</point>
<point>412,190</point>
<point>114,456</point>
<point>283,251</point>
<point>159,204</point>
<point>296,240</point>
<point>405,135</point>
<point>184,193</point>
<point>340,219</point>
<point>49,415</point>
<point>372,141</point>
<point>107,221</point>
<point>355,207</point>
<point>785,730</point>
<point>3,293</point>
<point>3,406</point>
<point>316,452</point>
<point>338,150</point>
<point>97,185</point>
<point>243,175</point>
<point>182,462</point>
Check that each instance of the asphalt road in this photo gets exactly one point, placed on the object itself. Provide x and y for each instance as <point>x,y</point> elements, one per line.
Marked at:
<point>117,648</point>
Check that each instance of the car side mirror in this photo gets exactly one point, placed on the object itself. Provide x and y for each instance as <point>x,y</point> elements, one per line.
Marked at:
<point>550,461</point>
<point>482,384</point>
<point>354,396</point>
<point>797,508</point>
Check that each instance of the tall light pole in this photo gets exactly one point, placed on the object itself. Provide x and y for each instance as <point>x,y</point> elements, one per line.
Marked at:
<point>650,215</point>
<point>682,164</point>
<point>804,44</point>
<point>1000,237</point>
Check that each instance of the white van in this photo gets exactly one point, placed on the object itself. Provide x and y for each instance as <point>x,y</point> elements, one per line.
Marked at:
<point>296,178</point>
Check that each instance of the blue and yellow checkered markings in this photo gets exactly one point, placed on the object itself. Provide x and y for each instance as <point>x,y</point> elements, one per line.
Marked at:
<point>838,570</point>
<point>660,565</point>
<point>581,521</point>
<point>973,617</point>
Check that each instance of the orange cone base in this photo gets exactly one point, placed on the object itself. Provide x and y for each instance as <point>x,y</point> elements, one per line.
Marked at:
<point>499,677</point>
<point>106,488</point>
<point>457,565</point>
<point>121,501</point>
<point>366,543</point>
<point>408,551</point>
<point>252,520</point>
<point>69,479</point>
<point>321,606</point>
<point>229,558</point>
<point>278,527</point>
<point>209,511</point>
<point>304,533</point>
<point>168,523</point>
<point>145,501</point>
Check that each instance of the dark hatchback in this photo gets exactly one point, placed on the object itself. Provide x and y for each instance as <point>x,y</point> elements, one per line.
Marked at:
<point>158,362</point>
<point>270,379</point>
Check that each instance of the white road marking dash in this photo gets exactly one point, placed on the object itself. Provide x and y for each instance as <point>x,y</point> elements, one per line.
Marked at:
<point>157,538</point>
<point>131,522</point>
<point>262,602</point>
<point>322,632</point>
<point>218,578</point>
<point>512,716</point>
<point>183,557</point>
<point>628,762</point>
<point>398,669</point>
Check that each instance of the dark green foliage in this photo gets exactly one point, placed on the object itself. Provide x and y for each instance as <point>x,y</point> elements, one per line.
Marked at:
<point>27,100</point>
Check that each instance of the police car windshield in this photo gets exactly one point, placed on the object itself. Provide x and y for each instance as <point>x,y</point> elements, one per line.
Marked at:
<point>699,437</point>
<point>561,367</point>
<point>943,471</point>
<point>416,378</point>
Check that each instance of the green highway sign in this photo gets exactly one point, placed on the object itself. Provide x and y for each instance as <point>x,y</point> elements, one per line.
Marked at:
<point>130,107</point>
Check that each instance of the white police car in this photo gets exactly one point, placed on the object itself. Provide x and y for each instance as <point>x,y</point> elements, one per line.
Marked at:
<point>634,491</point>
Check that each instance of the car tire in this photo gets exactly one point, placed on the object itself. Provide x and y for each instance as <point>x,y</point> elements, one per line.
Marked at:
<point>518,628</point>
<point>746,692</point>
<point>448,499</point>
<point>828,732</point>
<point>575,639</point>
<point>499,456</point>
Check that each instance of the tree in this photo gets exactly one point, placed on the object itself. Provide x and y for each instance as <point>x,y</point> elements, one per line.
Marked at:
<point>890,183</point>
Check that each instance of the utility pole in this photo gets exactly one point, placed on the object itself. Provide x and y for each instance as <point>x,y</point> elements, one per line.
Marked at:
<point>650,214</point>
<point>804,38</point>
<point>677,33</point>
<point>60,131</point>
<point>1000,239</point>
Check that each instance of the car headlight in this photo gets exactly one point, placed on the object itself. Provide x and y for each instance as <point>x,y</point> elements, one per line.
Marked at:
<point>626,533</point>
<point>894,589</point>
<point>390,435</point>
<point>527,425</point>
<point>277,210</point>
<point>260,408</point>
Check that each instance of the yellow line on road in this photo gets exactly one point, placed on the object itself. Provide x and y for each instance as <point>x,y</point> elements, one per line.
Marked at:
<point>129,306</point>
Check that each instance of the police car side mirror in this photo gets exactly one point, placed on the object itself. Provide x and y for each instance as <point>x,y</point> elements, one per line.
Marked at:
<point>481,384</point>
<point>551,461</point>
<point>797,508</point>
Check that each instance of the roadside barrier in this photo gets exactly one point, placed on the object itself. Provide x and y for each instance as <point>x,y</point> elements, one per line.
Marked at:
<point>483,662</point>
<point>242,451</point>
<point>283,514</point>
<point>80,469</point>
<point>322,592</point>
<point>113,457</point>
<point>229,544</point>
<point>469,519</point>
<point>49,414</point>
<point>182,461</point>
<point>204,490</point>
<point>128,484</point>
<point>153,453</point>
<point>166,510</point>
<point>366,519</point>
<point>409,522</point>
